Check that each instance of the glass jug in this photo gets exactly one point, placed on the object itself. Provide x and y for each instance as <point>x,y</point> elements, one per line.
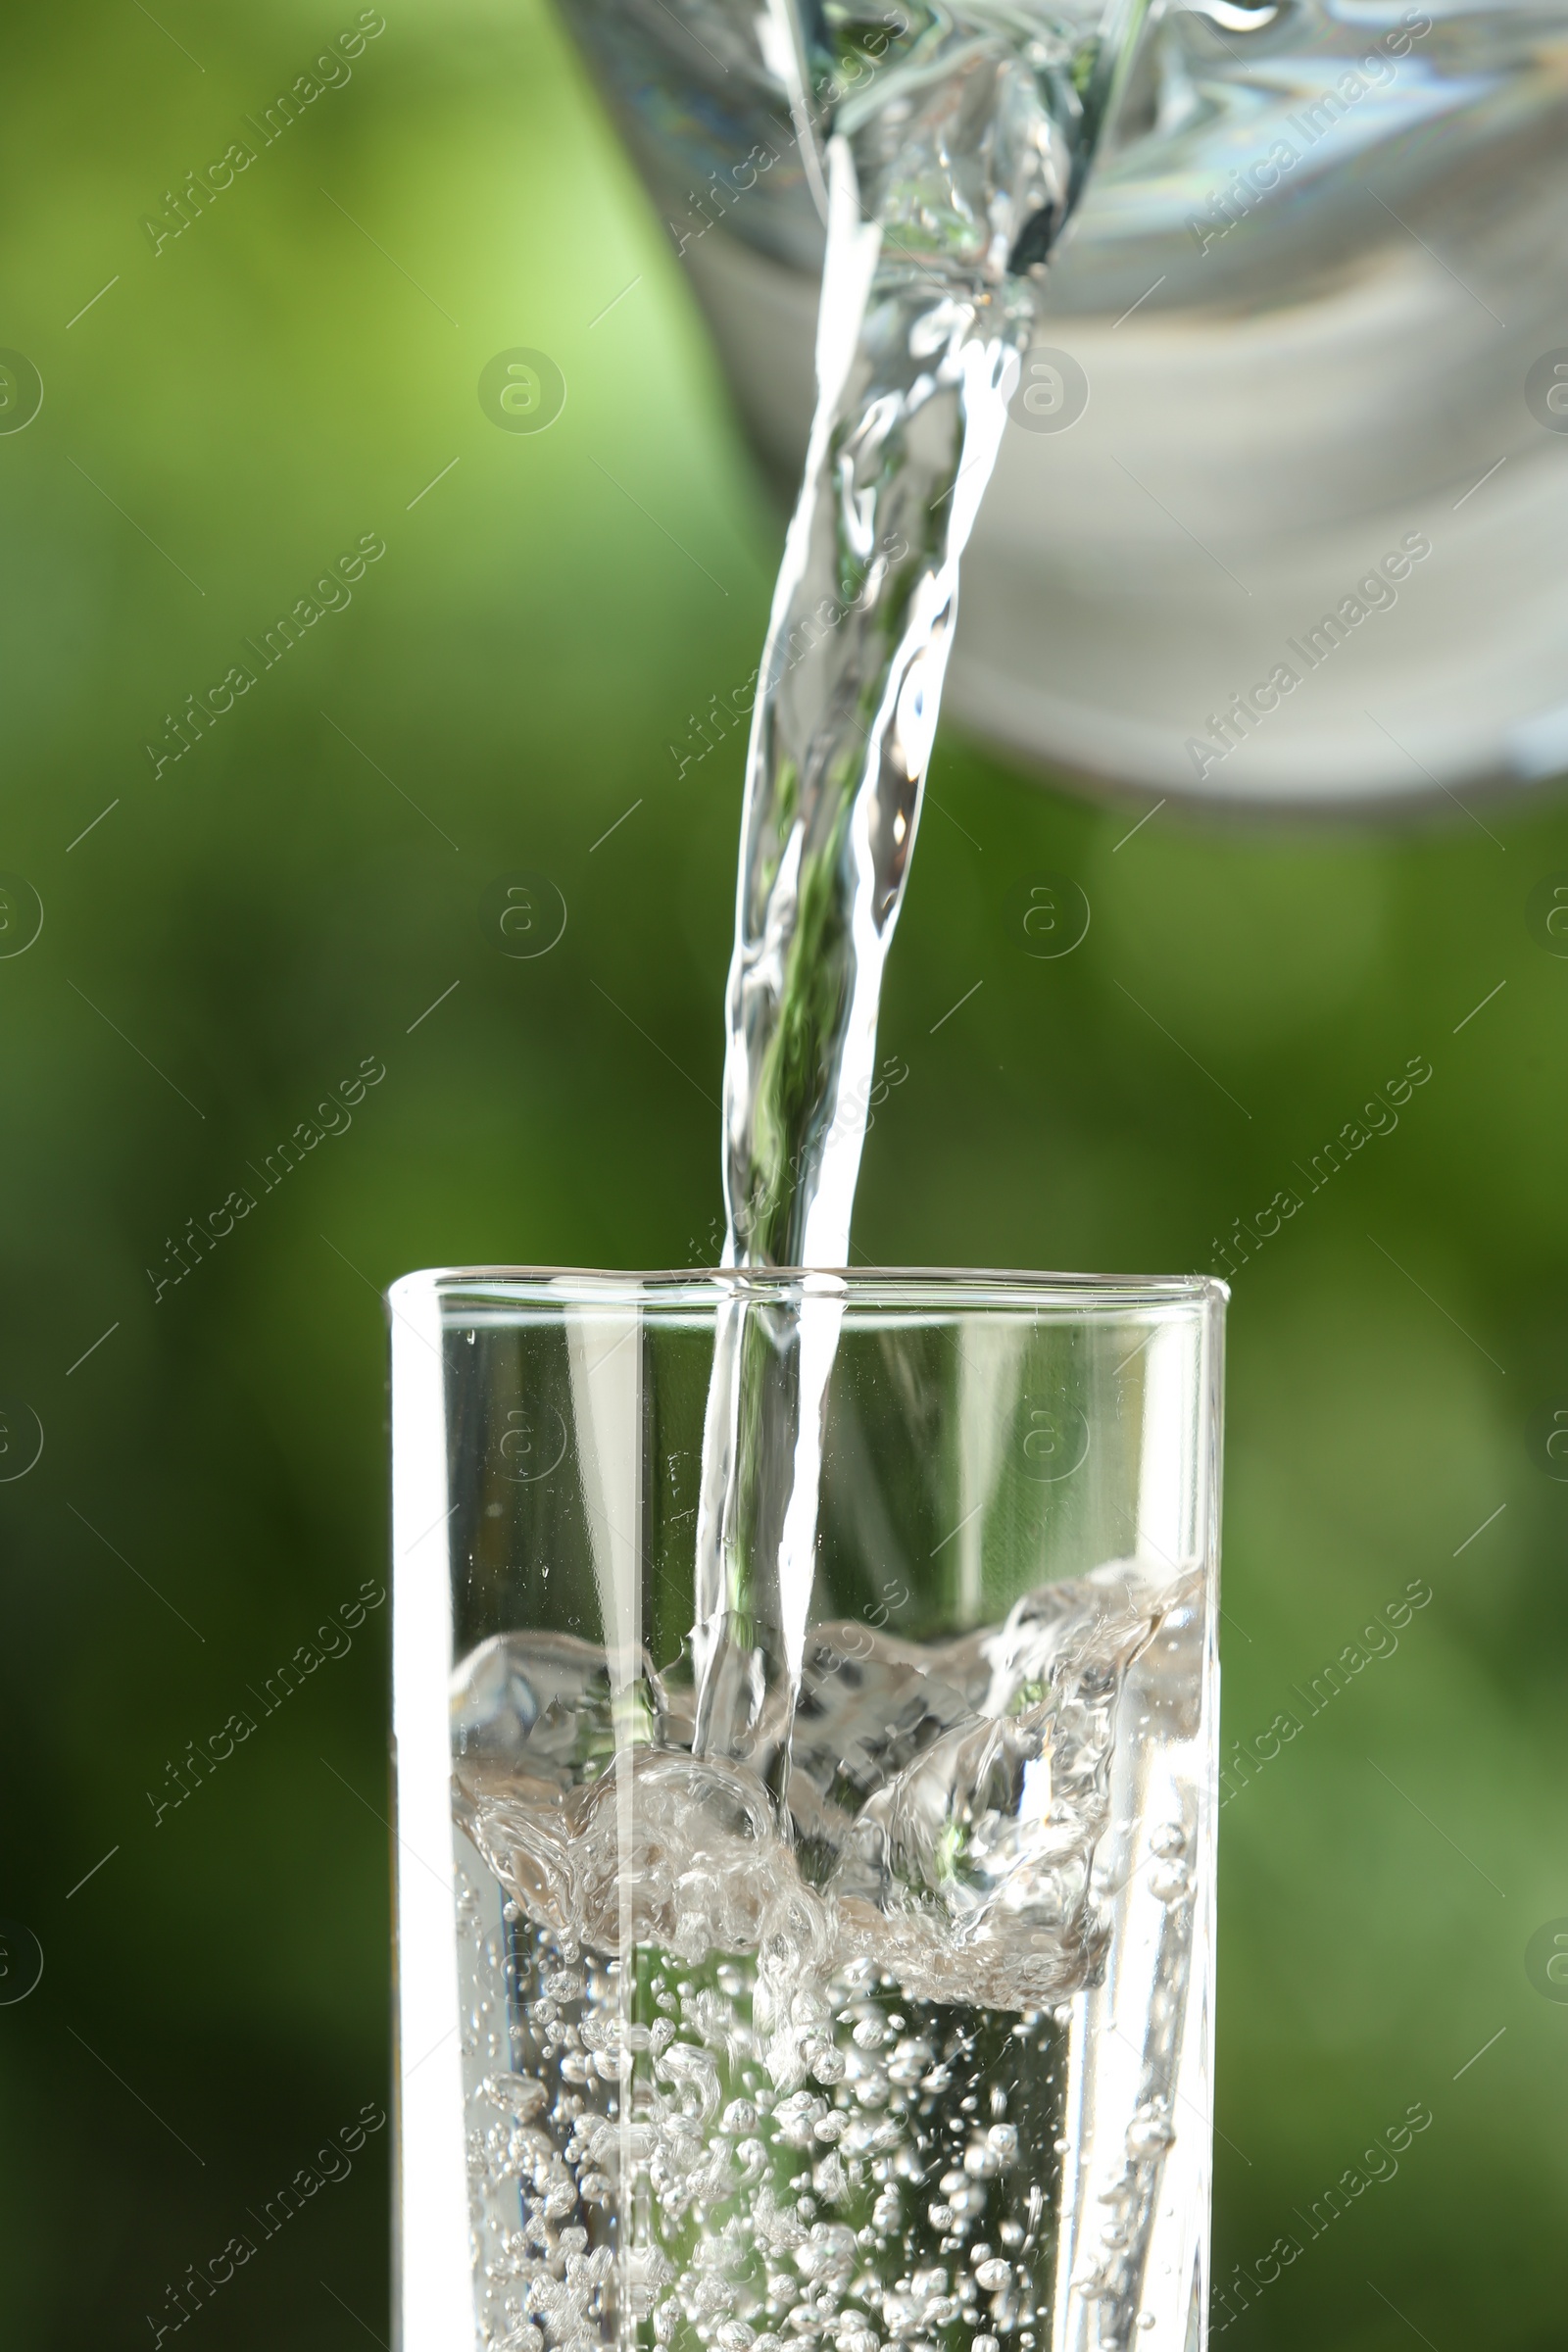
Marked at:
<point>1279,514</point>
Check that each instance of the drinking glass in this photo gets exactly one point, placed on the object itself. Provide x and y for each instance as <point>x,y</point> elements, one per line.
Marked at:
<point>905,2044</point>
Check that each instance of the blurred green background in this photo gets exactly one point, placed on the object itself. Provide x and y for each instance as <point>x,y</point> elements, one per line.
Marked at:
<point>234,936</point>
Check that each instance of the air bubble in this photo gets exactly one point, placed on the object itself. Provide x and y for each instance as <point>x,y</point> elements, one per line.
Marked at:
<point>785,2109</point>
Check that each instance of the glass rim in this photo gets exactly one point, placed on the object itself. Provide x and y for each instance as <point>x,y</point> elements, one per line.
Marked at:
<point>915,1285</point>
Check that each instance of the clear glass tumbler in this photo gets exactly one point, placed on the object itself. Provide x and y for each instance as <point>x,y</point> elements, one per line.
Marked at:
<point>885,2022</point>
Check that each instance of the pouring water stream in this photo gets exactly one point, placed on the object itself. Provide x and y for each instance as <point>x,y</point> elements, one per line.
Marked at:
<point>949,177</point>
